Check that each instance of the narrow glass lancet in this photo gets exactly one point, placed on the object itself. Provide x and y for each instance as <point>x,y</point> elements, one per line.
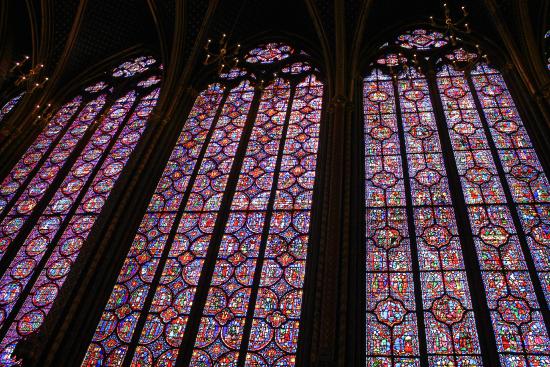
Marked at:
<point>498,211</point>
<point>35,190</point>
<point>110,346</point>
<point>527,181</point>
<point>520,332</point>
<point>117,141</point>
<point>451,335</point>
<point>31,158</point>
<point>450,329</point>
<point>9,105</point>
<point>222,325</point>
<point>83,149</point>
<point>278,307</point>
<point>189,249</point>
<point>392,325</point>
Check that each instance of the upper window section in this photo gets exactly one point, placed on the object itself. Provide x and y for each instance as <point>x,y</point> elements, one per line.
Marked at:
<point>269,53</point>
<point>421,39</point>
<point>96,87</point>
<point>133,67</point>
<point>6,108</point>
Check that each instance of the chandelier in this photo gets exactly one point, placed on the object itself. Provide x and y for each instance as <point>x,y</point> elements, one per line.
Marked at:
<point>225,56</point>
<point>32,78</point>
<point>450,25</point>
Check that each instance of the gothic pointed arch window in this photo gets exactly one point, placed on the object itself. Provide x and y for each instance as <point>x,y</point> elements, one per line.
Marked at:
<point>215,273</point>
<point>54,194</point>
<point>457,212</point>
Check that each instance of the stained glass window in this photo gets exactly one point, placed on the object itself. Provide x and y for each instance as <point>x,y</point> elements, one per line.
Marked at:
<point>218,261</point>
<point>422,222</point>
<point>9,105</point>
<point>421,39</point>
<point>85,146</point>
<point>547,48</point>
<point>269,53</point>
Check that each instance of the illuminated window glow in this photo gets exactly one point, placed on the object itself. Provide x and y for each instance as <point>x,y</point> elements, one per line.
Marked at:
<point>86,145</point>
<point>254,149</point>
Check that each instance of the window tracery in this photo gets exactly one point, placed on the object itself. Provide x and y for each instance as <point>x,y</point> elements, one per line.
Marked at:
<point>547,50</point>
<point>219,257</point>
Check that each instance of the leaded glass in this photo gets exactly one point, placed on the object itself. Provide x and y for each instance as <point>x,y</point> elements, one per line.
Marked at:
<point>9,105</point>
<point>275,327</point>
<point>515,311</point>
<point>547,51</point>
<point>391,311</point>
<point>133,67</point>
<point>527,181</point>
<point>411,212</point>
<point>35,190</point>
<point>448,315</point>
<point>421,39</point>
<point>127,299</point>
<point>269,53</point>
<point>253,148</point>
<point>86,147</point>
<point>450,325</point>
<point>193,236</point>
<point>99,86</point>
<point>221,329</point>
<point>233,73</point>
<point>40,147</point>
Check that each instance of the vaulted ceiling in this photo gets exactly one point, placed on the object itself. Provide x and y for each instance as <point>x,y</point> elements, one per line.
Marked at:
<point>81,34</point>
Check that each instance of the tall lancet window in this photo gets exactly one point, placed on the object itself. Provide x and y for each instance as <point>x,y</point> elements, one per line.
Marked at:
<point>215,273</point>
<point>457,212</point>
<point>51,199</point>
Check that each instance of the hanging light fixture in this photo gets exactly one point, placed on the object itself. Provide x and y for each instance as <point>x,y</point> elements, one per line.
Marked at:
<point>451,25</point>
<point>32,78</point>
<point>226,56</point>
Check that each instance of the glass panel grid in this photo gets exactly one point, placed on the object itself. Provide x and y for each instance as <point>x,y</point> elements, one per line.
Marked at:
<point>222,324</point>
<point>182,220</point>
<point>118,322</point>
<point>47,228</point>
<point>48,171</point>
<point>391,322</point>
<point>9,105</point>
<point>521,335</point>
<point>277,310</point>
<point>450,325</point>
